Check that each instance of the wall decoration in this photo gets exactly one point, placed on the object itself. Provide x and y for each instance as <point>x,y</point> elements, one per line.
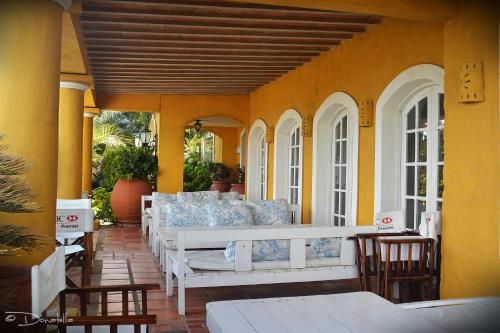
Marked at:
<point>307,126</point>
<point>471,83</point>
<point>366,113</point>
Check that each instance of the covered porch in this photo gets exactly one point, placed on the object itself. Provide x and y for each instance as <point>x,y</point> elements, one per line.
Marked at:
<point>345,110</point>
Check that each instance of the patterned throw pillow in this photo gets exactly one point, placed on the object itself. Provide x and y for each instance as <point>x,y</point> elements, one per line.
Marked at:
<point>185,215</point>
<point>228,213</point>
<point>197,197</point>
<point>160,198</point>
<point>326,247</point>
<point>267,212</point>
<point>229,196</point>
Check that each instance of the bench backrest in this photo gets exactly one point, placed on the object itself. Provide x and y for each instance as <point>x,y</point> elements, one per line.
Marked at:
<point>189,238</point>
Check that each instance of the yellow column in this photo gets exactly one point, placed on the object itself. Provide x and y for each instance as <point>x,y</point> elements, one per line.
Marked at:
<point>69,169</point>
<point>88,129</point>
<point>30,50</point>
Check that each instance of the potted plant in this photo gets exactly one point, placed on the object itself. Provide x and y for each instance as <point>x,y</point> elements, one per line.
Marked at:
<point>239,186</point>
<point>220,174</point>
<point>129,171</point>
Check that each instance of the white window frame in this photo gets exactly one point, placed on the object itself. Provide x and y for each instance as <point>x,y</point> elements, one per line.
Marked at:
<point>334,165</point>
<point>294,169</point>
<point>335,106</point>
<point>289,121</point>
<point>262,180</point>
<point>388,126</point>
<point>255,135</point>
<point>243,148</point>
<point>431,163</point>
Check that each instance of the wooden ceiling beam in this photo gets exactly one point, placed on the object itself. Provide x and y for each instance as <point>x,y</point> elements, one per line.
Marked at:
<point>161,20</point>
<point>169,56</point>
<point>160,44</point>
<point>109,49</point>
<point>188,61</point>
<point>184,66</point>
<point>218,7</point>
<point>424,10</point>
<point>101,25</point>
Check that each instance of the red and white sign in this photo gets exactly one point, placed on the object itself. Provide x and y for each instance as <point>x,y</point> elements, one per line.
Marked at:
<point>74,220</point>
<point>389,221</point>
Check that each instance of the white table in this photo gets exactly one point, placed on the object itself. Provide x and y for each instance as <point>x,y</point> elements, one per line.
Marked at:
<point>351,312</point>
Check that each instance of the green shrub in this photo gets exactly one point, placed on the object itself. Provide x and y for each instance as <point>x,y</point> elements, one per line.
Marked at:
<point>197,176</point>
<point>219,172</point>
<point>129,162</point>
<point>101,204</point>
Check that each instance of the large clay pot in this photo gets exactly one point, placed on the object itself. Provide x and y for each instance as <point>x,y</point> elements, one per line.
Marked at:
<point>240,188</point>
<point>220,186</point>
<point>126,199</point>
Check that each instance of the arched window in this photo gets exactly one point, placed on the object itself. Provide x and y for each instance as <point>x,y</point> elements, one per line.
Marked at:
<point>243,148</point>
<point>409,150</point>
<point>288,158</point>
<point>335,161</point>
<point>257,161</point>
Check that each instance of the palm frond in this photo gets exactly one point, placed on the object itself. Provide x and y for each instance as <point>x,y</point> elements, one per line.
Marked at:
<point>16,196</point>
<point>11,165</point>
<point>14,238</point>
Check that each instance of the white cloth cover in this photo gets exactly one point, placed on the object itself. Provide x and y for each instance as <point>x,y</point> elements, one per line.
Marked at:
<point>429,225</point>
<point>390,221</point>
<point>404,249</point>
<point>47,281</point>
<point>74,216</point>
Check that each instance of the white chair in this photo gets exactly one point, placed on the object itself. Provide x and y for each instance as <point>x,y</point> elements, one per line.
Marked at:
<point>146,213</point>
<point>74,227</point>
<point>47,280</point>
<point>393,221</point>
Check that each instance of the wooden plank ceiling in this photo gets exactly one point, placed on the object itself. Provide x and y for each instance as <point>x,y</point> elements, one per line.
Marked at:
<point>204,46</point>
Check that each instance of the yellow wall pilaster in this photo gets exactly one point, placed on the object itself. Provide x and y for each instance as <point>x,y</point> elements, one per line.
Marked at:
<point>69,170</point>
<point>88,129</point>
<point>471,199</point>
<point>30,50</point>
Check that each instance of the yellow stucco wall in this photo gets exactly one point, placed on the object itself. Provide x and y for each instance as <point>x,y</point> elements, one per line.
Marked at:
<point>470,247</point>
<point>228,144</point>
<point>175,112</point>
<point>362,68</point>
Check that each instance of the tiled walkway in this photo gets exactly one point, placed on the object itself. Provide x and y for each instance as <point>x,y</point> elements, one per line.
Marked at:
<point>123,257</point>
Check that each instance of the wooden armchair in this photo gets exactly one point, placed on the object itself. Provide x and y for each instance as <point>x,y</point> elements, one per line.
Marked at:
<point>99,323</point>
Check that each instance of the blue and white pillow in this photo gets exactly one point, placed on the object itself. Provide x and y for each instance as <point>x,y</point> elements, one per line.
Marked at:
<point>160,198</point>
<point>228,213</point>
<point>229,196</point>
<point>266,250</point>
<point>185,215</point>
<point>267,213</point>
<point>197,197</point>
<point>275,212</point>
<point>326,247</point>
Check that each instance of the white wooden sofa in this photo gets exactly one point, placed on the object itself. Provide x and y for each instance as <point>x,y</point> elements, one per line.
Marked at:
<point>301,267</point>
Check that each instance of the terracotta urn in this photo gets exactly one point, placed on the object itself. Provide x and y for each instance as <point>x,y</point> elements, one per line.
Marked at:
<point>126,199</point>
<point>240,188</point>
<point>220,186</point>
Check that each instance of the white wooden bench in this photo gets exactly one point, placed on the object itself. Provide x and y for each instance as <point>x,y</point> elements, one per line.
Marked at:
<point>160,235</point>
<point>247,272</point>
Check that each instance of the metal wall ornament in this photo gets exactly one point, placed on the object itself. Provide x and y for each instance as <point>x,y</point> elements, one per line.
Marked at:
<point>366,113</point>
<point>307,126</point>
<point>471,83</point>
<point>270,134</point>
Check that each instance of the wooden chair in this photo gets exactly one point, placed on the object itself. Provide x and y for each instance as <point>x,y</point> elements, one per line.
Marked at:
<point>105,322</point>
<point>366,255</point>
<point>408,261</point>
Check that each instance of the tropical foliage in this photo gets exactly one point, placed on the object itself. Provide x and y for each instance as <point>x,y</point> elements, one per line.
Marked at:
<point>101,203</point>
<point>16,197</point>
<point>129,162</point>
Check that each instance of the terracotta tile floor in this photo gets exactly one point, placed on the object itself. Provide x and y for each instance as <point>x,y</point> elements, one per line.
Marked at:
<point>122,256</point>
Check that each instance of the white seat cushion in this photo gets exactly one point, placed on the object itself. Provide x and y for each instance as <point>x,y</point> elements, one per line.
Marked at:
<point>214,260</point>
